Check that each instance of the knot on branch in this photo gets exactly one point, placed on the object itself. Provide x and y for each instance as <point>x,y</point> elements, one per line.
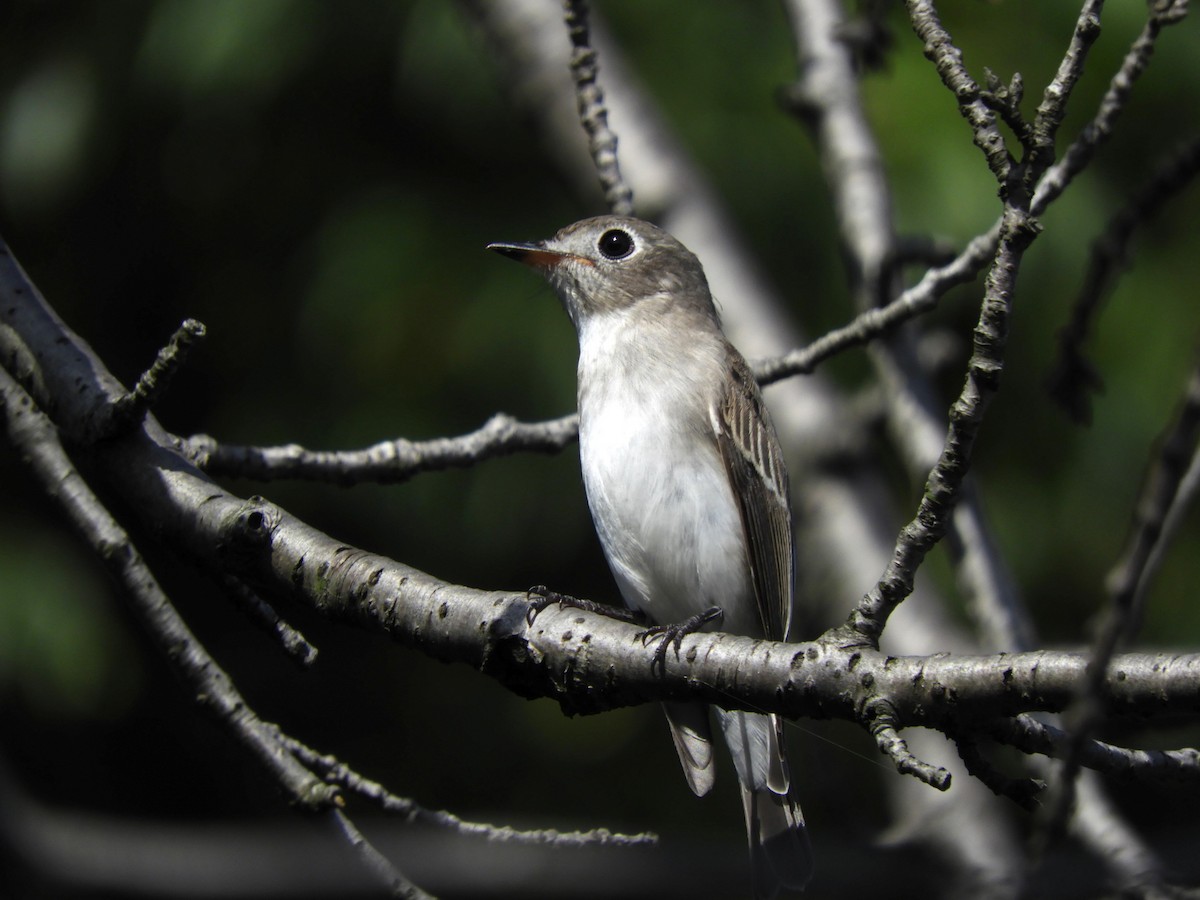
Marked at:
<point>248,531</point>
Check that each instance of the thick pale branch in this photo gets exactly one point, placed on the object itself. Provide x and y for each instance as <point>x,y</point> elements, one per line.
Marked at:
<point>584,661</point>
<point>590,663</point>
<point>37,440</point>
<point>826,95</point>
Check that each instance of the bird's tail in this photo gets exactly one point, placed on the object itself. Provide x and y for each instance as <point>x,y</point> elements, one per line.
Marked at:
<point>693,741</point>
<point>780,853</point>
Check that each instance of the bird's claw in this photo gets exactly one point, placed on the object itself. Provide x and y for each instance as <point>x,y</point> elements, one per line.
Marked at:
<point>673,635</point>
<point>540,597</point>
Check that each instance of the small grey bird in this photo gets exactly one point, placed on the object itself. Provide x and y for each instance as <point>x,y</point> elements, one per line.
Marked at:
<point>686,485</point>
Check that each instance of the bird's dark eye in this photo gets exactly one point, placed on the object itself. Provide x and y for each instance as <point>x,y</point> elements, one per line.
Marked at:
<point>615,244</point>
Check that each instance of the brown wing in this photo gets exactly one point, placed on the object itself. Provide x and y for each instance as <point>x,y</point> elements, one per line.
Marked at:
<point>750,451</point>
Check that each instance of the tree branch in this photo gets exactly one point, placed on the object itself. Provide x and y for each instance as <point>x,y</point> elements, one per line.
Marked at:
<point>128,409</point>
<point>942,490</point>
<point>387,462</point>
<point>1052,110</point>
<point>1031,736</point>
<point>376,863</point>
<point>258,611</point>
<point>35,437</point>
<point>1018,230</point>
<point>593,114</point>
<point>1125,587</point>
<point>947,59</point>
<point>1074,377</point>
<point>1096,132</point>
<point>335,771</point>
<point>585,662</point>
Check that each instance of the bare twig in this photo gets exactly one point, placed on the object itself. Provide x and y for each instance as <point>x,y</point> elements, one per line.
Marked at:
<point>1028,735</point>
<point>398,460</point>
<point>871,323</point>
<point>387,462</point>
<point>964,268</point>
<point>397,884</point>
<point>593,114</point>
<point>1096,132</point>
<point>1022,791</point>
<point>133,406</point>
<point>36,438</point>
<point>885,728</point>
<point>1158,495</point>
<point>1006,99</point>
<point>1018,230</point>
<point>337,772</point>
<point>1053,108</point>
<point>1074,377</point>
<point>1054,181</point>
<point>1185,498</point>
<point>261,613</point>
<point>945,480</point>
<point>947,59</point>
<point>826,94</point>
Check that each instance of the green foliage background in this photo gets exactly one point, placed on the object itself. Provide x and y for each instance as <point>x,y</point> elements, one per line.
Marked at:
<point>316,181</point>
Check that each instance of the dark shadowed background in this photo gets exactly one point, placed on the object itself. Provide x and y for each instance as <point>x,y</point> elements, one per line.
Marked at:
<point>316,183</point>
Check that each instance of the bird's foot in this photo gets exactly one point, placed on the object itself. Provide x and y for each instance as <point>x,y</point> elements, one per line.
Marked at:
<point>668,635</point>
<point>540,597</point>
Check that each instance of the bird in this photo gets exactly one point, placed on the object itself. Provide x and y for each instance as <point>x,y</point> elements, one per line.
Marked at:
<point>687,489</point>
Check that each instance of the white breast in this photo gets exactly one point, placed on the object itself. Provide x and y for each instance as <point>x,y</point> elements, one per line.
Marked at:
<point>658,491</point>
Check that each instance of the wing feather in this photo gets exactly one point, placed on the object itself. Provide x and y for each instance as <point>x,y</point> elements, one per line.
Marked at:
<point>750,450</point>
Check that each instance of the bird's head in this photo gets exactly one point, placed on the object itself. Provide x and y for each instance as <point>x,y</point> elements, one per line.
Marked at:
<point>613,263</point>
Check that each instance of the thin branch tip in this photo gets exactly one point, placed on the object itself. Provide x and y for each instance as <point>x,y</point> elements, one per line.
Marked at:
<point>338,773</point>
<point>884,727</point>
<point>264,616</point>
<point>129,409</point>
<point>593,113</point>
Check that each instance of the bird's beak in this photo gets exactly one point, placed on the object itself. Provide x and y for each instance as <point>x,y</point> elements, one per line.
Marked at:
<point>534,255</point>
